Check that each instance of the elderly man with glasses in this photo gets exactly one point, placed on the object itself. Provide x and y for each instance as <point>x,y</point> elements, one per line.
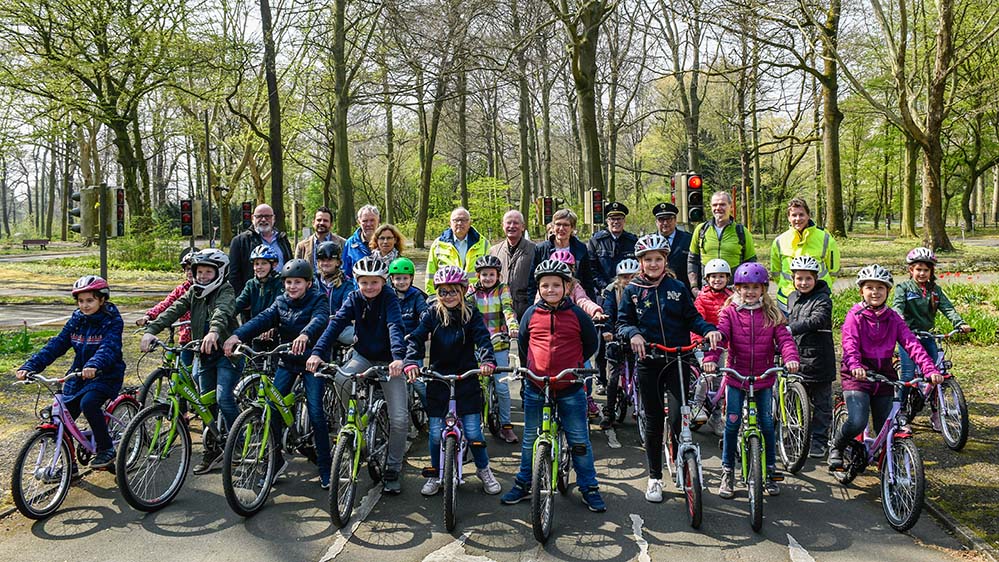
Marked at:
<point>459,245</point>
<point>260,232</point>
<point>679,240</point>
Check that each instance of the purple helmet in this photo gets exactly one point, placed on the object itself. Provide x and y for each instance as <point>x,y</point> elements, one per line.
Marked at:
<point>450,275</point>
<point>563,255</point>
<point>751,272</point>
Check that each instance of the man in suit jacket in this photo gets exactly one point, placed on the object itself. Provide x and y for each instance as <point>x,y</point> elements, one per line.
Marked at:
<point>679,240</point>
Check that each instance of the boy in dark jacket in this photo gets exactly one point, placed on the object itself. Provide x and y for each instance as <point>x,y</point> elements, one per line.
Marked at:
<point>412,302</point>
<point>810,320</point>
<point>335,285</point>
<point>259,293</point>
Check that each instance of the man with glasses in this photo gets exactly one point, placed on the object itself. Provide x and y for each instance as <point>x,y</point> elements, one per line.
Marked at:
<point>679,240</point>
<point>459,245</point>
<point>356,247</point>
<point>260,232</point>
<point>610,245</point>
<point>516,253</point>
<point>321,223</point>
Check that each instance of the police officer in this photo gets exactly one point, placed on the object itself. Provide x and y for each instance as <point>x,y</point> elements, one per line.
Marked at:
<point>679,240</point>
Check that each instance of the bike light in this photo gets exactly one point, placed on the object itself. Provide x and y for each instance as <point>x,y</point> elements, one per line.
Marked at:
<point>45,413</point>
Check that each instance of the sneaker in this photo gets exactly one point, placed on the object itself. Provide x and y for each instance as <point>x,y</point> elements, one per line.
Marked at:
<point>103,459</point>
<point>592,499</point>
<point>392,483</point>
<point>935,421</point>
<point>592,410</point>
<point>282,465</point>
<point>770,487</point>
<point>432,486</point>
<point>606,423</point>
<point>518,493</point>
<point>507,434</point>
<point>601,389</point>
<point>654,491</point>
<point>727,488</point>
<point>489,483</point>
<point>818,450</point>
<point>835,458</point>
<point>717,424</point>
<point>324,482</point>
<point>210,460</point>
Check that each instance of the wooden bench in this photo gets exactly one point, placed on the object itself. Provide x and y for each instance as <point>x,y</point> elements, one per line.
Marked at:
<point>40,242</point>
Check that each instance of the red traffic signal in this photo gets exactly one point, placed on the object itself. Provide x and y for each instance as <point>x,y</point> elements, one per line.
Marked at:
<point>186,205</point>
<point>186,217</point>
<point>694,182</point>
<point>246,208</point>
<point>695,199</point>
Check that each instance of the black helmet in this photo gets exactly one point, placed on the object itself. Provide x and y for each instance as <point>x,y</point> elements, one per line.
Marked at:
<point>187,256</point>
<point>329,250</point>
<point>488,261</point>
<point>297,268</point>
<point>552,267</point>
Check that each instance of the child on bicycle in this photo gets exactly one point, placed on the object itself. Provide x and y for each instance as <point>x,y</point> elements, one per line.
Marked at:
<point>183,332</point>
<point>709,302</point>
<point>871,330</point>
<point>555,335</point>
<point>377,318</point>
<point>496,306</point>
<point>299,315</point>
<point>626,271</point>
<point>459,342</point>
<point>265,286</point>
<point>810,320</point>
<point>657,308</point>
<point>754,329</point>
<point>94,333</point>
<point>333,283</point>
<point>212,304</point>
<point>412,302</point>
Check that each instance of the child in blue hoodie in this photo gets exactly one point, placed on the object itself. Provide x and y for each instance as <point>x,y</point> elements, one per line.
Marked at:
<point>413,302</point>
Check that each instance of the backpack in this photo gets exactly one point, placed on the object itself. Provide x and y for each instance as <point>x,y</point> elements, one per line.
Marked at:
<point>740,231</point>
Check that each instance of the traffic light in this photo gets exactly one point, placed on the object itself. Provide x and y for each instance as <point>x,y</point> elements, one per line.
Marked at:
<point>119,204</point>
<point>85,211</point>
<point>186,217</point>
<point>247,212</point>
<point>695,198</point>
<point>547,209</point>
<point>597,202</point>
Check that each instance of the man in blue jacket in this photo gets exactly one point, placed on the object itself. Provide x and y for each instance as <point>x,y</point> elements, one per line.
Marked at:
<point>609,246</point>
<point>679,240</point>
<point>356,247</point>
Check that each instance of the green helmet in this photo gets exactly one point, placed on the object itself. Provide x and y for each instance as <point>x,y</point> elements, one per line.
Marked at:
<point>402,266</point>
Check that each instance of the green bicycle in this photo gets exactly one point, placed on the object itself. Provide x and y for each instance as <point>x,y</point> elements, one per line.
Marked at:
<point>792,421</point>
<point>156,385</point>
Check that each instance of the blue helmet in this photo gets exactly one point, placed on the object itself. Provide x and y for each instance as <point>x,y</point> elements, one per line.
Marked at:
<point>263,252</point>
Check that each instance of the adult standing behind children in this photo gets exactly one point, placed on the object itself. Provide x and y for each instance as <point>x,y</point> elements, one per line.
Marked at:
<point>321,223</point>
<point>261,232</point>
<point>516,254</point>
<point>356,247</point>
<point>679,240</point>
<point>563,236</point>
<point>803,238</point>
<point>460,245</point>
<point>718,237</point>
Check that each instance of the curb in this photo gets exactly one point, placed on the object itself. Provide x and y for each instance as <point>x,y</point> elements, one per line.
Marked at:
<point>961,532</point>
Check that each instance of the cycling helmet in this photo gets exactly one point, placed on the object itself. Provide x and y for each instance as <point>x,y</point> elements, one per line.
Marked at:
<point>214,258</point>
<point>187,256</point>
<point>488,261</point>
<point>717,265</point>
<point>402,266</point>
<point>805,263</point>
<point>628,266</point>
<point>329,250</point>
<point>370,267</point>
<point>450,275</point>
<point>297,268</point>
<point>921,254</point>
<point>92,283</point>
<point>563,255</point>
<point>651,243</point>
<point>263,252</point>
<point>875,272</point>
<point>552,267</point>
<point>751,272</point>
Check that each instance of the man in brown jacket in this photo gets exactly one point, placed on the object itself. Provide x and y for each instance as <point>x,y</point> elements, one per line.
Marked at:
<point>306,249</point>
<point>516,253</point>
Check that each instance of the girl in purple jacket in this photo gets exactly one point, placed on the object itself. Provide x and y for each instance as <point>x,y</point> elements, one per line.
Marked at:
<point>870,332</point>
<point>753,329</point>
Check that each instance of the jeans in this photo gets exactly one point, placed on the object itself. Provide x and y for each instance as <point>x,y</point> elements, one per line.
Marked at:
<point>91,403</point>
<point>571,411</point>
<point>284,380</point>
<point>222,374</point>
<point>657,376</point>
<point>397,399</point>
<point>471,426</point>
<point>859,406</point>
<point>908,366</point>
<point>502,388</point>
<point>820,395</point>
<point>733,417</point>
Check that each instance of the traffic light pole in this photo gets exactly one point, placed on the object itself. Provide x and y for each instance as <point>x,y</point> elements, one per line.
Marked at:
<point>102,216</point>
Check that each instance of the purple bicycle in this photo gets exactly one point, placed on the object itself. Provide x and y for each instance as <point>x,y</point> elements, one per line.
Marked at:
<point>618,353</point>
<point>45,464</point>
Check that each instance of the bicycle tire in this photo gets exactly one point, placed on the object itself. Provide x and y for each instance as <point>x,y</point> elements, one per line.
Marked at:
<point>494,418</point>
<point>378,440</point>
<point>306,443</point>
<point>156,387</point>
<point>903,491</point>
<point>246,391</point>
<point>564,463</point>
<point>123,412</point>
<point>621,405</point>
<point>336,416</point>
<point>241,470</point>
<point>795,436</point>
<point>642,422</point>
<point>953,415</point>
<point>450,481</point>
<point>417,412</point>
<point>140,474</point>
<point>343,480</point>
<point>24,483</point>
<point>542,494</point>
<point>692,489</point>
<point>754,482</point>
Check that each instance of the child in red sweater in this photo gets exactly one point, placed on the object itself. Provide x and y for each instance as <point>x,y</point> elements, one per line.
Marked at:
<point>709,302</point>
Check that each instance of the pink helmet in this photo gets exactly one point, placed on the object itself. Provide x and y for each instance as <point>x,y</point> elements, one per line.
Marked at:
<point>751,272</point>
<point>450,275</point>
<point>92,283</point>
<point>563,255</point>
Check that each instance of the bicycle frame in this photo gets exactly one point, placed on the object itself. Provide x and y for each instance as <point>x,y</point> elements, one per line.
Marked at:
<point>750,427</point>
<point>876,447</point>
<point>356,426</point>
<point>452,421</point>
<point>685,441</point>
<point>627,381</point>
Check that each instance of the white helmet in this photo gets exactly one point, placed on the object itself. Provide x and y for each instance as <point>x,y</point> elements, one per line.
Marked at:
<point>215,258</point>
<point>717,265</point>
<point>628,266</point>
<point>875,272</point>
<point>651,243</point>
<point>805,263</point>
<point>370,267</point>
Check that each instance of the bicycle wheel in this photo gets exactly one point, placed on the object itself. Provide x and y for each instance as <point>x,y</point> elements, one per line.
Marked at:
<point>248,463</point>
<point>542,494</point>
<point>621,405</point>
<point>42,474</point>
<point>156,388</point>
<point>692,488</point>
<point>247,390</point>
<point>378,439</point>
<point>303,427</point>
<point>120,416</point>
<point>794,427</point>
<point>953,415</point>
<point>153,458</point>
<point>417,412</point>
<point>642,423</point>
<point>754,482</point>
<point>564,463</point>
<point>903,489</point>
<point>450,481</point>
<point>852,455</point>
<point>494,419</point>
<point>343,484</point>
<point>333,408</point>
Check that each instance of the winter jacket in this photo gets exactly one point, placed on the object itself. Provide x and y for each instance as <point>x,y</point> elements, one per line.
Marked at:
<point>869,338</point>
<point>355,248</point>
<point>662,312</point>
<point>918,305</point>
<point>412,304</point>
<point>553,339</point>
<point>583,274</point>
<point>517,272</point>
<point>610,297</point>
<point>377,325</point>
<point>306,249</point>
<point>307,315</point>
<point>605,253</point>
<point>454,349</point>
<point>444,252</point>
<point>581,299</point>
<point>216,313</point>
<point>496,308</point>
<point>240,266</point>
<point>729,246</point>
<point>709,303</point>
<point>259,295</point>
<point>183,332</point>
<point>96,341</point>
<point>679,253</point>
<point>751,344</point>
<point>810,321</point>
<point>335,296</point>
<point>812,241</point>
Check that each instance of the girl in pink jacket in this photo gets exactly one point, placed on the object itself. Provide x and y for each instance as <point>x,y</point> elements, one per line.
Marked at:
<point>754,330</point>
<point>577,294</point>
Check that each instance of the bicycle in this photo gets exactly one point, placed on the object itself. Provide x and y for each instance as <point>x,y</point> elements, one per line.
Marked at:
<point>365,432</point>
<point>490,400</point>
<point>44,467</point>
<point>903,484</point>
<point>627,387</point>
<point>752,448</point>
<point>792,421</point>
<point>552,455</point>
<point>156,384</point>
<point>155,451</point>
<point>949,410</point>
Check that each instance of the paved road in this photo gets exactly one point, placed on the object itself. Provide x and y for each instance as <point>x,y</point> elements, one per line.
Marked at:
<point>813,519</point>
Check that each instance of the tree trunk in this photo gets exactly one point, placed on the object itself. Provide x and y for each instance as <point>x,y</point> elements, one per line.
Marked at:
<point>3,194</point>
<point>50,215</point>
<point>128,165</point>
<point>428,148</point>
<point>389,148</point>
<point>463,134</point>
<point>67,186</point>
<point>908,218</point>
<point>274,119</point>
<point>832,117</point>
<point>584,74</point>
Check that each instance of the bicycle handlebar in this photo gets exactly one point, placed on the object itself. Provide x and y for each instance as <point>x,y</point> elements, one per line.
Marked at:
<point>430,374</point>
<point>879,378</point>
<point>524,372</point>
<point>374,372</point>
<point>939,337</point>
<point>37,377</point>
<point>773,371</point>
<point>682,349</point>
<point>243,349</point>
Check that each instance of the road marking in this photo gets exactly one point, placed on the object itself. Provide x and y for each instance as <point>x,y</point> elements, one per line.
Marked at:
<point>455,551</point>
<point>798,552</point>
<point>612,441</point>
<point>643,545</point>
<point>343,536</point>
<point>51,321</point>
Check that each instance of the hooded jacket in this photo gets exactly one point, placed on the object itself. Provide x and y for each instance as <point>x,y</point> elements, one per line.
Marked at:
<point>354,248</point>
<point>258,295</point>
<point>918,305</point>
<point>306,315</point>
<point>444,252</point>
<point>496,307</point>
<point>215,313</point>
<point>335,296</point>
<point>377,325</point>
<point>553,339</point>
<point>583,273</point>
<point>661,311</point>
<point>751,344</point>
<point>810,321</point>
<point>709,303</point>
<point>241,267</point>
<point>183,332</point>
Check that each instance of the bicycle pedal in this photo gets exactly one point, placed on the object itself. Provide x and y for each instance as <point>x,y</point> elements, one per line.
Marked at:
<point>777,477</point>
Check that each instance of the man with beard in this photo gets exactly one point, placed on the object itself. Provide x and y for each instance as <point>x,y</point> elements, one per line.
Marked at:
<point>261,232</point>
<point>306,249</point>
